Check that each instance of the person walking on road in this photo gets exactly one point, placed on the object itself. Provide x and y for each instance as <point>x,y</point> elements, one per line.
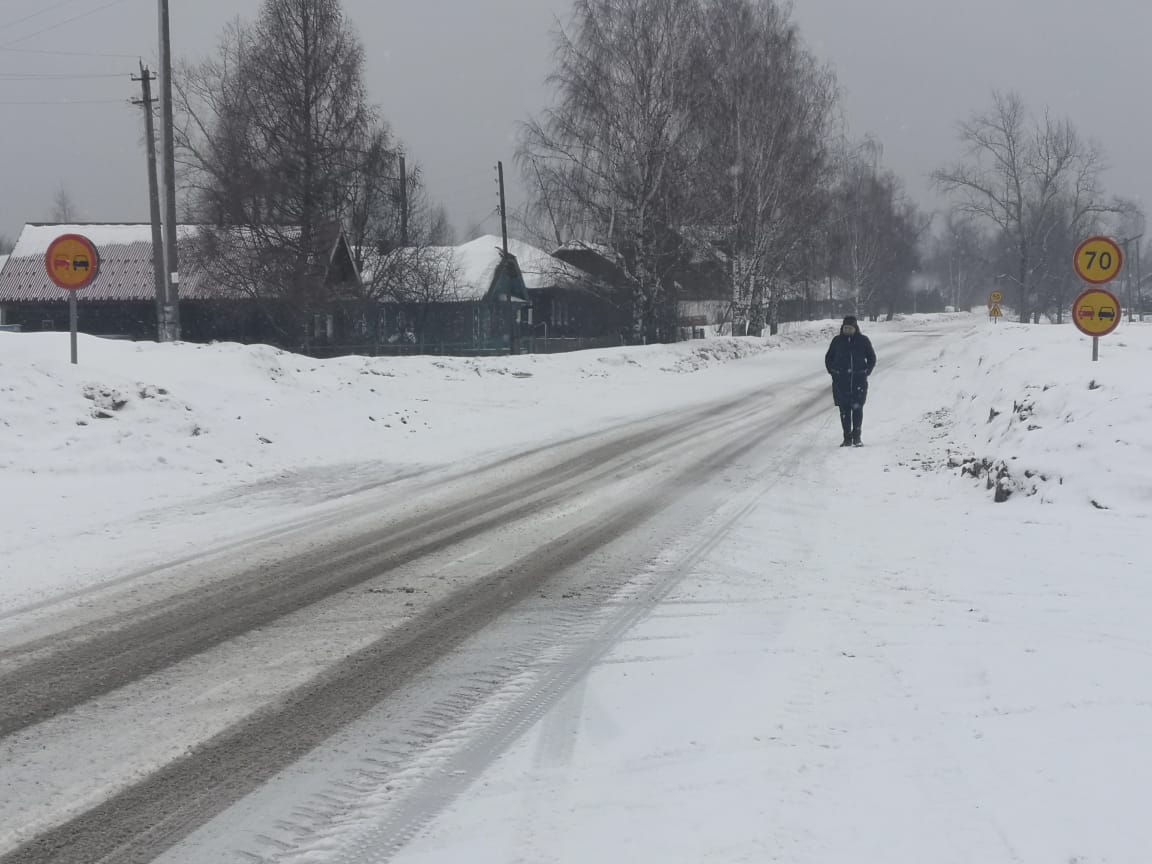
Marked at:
<point>850,360</point>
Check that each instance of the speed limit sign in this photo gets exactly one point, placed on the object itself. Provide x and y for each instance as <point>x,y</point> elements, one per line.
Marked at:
<point>1098,260</point>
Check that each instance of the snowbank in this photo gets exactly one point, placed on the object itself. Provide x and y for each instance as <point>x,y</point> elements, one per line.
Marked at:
<point>1026,403</point>
<point>208,409</point>
<point>95,457</point>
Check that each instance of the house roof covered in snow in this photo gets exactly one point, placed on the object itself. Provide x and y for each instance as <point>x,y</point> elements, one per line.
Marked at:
<point>478,258</point>
<point>472,266</point>
<point>125,265</point>
<point>126,270</point>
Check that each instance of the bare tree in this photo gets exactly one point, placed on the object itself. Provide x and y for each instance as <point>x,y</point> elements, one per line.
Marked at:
<point>271,140</point>
<point>373,215</point>
<point>615,149</point>
<point>960,257</point>
<point>863,203</point>
<point>424,282</point>
<point>438,229</point>
<point>1129,225</point>
<point>906,230</point>
<point>391,223</point>
<point>64,207</point>
<point>765,117</point>
<point>875,232</point>
<point>1018,173</point>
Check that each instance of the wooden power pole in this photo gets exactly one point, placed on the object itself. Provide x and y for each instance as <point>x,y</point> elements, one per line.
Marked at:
<point>146,102</point>
<point>503,206</point>
<point>403,203</point>
<point>171,255</point>
<point>513,315</point>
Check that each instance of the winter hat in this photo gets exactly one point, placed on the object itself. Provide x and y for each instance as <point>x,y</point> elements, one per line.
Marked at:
<point>850,321</point>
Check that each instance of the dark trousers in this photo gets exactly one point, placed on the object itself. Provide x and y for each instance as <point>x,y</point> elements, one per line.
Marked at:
<point>851,419</point>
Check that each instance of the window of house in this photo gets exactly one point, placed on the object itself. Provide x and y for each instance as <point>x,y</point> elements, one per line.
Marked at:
<point>323,326</point>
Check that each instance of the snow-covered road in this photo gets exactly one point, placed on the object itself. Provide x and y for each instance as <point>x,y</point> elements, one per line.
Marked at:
<point>696,631</point>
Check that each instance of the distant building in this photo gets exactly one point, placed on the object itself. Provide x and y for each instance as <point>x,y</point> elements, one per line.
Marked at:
<point>472,298</point>
<point>121,302</point>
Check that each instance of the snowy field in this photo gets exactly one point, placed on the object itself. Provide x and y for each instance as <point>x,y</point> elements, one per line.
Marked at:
<point>873,662</point>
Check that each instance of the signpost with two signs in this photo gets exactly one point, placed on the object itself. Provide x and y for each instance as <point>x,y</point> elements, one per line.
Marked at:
<point>994,311</point>
<point>1096,312</point>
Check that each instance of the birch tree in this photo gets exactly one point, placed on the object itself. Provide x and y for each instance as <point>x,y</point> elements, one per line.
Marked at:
<point>615,149</point>
<point>766,114</point>
<point>1017,174</point>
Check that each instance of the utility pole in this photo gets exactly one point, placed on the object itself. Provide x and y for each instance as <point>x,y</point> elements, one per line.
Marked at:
<point>145,102</point>
<point>1133,287</point>
<point>403,203</point>
<point>1131,291</point>
<point>171,256</point>
<point>1139,289</point>
<point>503,206</point>
<point>512,315</point>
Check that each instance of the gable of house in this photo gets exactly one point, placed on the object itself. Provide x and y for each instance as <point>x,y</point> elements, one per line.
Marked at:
<point>476,271</point>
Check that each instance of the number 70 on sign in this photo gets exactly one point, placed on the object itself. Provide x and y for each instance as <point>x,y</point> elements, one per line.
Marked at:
<point>1098,260</point>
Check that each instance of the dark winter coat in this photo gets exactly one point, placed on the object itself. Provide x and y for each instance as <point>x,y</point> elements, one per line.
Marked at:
<point>850,360</point>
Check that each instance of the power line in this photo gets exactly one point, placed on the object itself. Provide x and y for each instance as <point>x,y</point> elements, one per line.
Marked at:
<point>57,76</point>
<point>64,103</point>
<point>63,23</point>
<point>37,14</point>
<point>46,51</point>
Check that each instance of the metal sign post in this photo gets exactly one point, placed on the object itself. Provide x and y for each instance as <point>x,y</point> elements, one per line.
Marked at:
<point>994,301</point>
<point>1096,312</point>
<point>73,263</point>
<point>73,321</point>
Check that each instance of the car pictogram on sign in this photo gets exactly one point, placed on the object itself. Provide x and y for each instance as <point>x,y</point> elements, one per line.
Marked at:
<point>1107,313</point>
<point>80,263</point>
<point>1087,312</point>
<point>63,263</point>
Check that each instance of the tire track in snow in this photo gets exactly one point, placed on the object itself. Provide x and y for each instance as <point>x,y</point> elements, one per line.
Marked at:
<point>373,827</point>
<point>420,788</point>
<point>147,818</point>
<point>58,672</point>
<point>155,813</point>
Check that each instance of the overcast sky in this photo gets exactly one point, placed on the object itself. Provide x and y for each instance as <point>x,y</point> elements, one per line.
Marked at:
<point>455,77</point>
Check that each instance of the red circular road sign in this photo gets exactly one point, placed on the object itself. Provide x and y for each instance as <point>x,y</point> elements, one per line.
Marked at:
<point>72,261</point>
<point>1098,260</point>
<point>1096,312</point>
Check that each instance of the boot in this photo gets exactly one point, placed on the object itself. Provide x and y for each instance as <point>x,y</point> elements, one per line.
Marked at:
<point>847,440</point>
<point>856,442</point>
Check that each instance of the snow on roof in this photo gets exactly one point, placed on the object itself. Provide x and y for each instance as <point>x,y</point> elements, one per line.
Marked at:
<point>126,271</point>
<point>582,246</point>
<point>477,261</point>
<point>35,239</point>
<point>474,265</point>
